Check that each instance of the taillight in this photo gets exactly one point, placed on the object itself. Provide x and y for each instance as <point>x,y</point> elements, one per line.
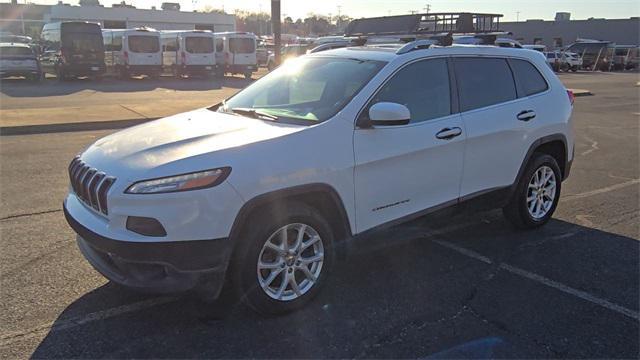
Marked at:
<point>183,57</point>
<point>126,57</point>
<point>572,97</point>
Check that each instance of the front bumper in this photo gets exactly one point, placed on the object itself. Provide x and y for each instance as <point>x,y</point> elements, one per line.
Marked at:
<point>158,267</point>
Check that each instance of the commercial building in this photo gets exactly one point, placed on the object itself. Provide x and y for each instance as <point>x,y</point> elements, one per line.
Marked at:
<point>563,31</point>
<point>28,19</point>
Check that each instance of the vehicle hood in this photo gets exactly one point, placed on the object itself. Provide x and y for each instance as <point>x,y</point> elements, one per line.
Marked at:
<point>170,143</point>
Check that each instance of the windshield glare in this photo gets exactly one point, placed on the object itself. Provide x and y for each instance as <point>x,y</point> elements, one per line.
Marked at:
<point>308,88</point>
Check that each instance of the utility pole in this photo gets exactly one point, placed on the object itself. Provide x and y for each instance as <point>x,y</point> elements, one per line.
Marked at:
<point>427,8</point>
<point>275,23</point>
<point>517,16</point>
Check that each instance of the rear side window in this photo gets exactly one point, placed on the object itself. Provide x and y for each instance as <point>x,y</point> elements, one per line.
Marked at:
<point>423,87</point>
<point>528,77</point>
<point>483,82</point>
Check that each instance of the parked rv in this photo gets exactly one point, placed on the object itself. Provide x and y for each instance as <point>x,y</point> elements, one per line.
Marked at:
<point>129,52</point>
<point>237,51</point>
<point>72,48</point>
<point>189,53</point>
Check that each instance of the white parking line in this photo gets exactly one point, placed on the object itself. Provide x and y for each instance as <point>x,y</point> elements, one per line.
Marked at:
<point>8,338</point>
<point>600,191</point>
<point>543,280</point>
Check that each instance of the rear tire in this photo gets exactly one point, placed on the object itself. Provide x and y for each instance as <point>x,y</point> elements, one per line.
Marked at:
<point>247,75</point>
<point>537,193</point>
<point>269,276</point>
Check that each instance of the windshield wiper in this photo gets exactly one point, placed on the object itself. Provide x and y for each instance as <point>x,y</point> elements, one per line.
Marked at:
<point>256,114</point>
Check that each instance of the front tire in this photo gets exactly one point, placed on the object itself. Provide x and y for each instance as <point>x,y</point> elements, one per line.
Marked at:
<point>537,193</point>
<point>284,259</point>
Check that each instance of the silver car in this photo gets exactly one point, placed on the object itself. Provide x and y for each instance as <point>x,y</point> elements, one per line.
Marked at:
<point>17,59</point>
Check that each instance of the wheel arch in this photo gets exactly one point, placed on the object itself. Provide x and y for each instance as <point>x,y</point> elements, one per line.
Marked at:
<point>317,195</point>
<point>554,145</point>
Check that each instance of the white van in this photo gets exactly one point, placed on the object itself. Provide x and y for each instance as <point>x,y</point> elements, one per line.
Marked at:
<point>189,52</point>
<point>237,51</point>
<point>129,52</point>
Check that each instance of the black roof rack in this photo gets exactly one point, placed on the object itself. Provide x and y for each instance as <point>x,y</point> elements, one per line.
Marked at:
<point>425,24</point>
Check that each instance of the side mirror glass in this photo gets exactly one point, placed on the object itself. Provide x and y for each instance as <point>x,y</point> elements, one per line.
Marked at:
<point>389,114</point>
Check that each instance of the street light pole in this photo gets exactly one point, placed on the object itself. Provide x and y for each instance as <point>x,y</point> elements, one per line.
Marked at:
<point>275,22</point>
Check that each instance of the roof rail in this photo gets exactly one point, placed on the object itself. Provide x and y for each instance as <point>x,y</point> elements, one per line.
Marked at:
<point>415,45</point>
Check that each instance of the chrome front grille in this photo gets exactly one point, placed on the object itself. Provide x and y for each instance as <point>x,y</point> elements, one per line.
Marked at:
<point>90,185</point>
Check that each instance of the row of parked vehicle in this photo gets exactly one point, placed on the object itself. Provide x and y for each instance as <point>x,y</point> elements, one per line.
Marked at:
<point>83,49</point>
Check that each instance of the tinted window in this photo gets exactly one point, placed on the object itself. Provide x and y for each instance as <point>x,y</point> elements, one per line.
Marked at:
<point>242,45</point>
<point>199,45</point>
<point>423,87</point>
<point>83,42</point>
<point>144,44</point>
<point>483,82</point>
<point>529,78</point>
<point>15,51</point>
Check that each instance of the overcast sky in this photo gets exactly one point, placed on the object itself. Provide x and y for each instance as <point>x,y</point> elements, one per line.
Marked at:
<point>529,9</point>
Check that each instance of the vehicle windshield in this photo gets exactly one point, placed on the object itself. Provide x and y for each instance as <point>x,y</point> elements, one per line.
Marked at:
<point>199,44</point>
<point>242,45</point>
<point>15,51</point>
<point>306,89</point>
<point>144,44</point>
<point>83,42</point>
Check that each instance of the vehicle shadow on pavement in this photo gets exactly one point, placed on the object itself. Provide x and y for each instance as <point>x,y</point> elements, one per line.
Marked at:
<point>51,87</point>
<point>426,293</point>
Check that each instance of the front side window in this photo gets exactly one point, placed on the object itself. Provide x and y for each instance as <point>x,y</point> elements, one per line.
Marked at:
<point>529,78</point>
<point>483,82</point>
<point>199,44</point>
<point>242,45</point>
<point>423,87</point>
<point>144,44</point>
<point>306,89</point>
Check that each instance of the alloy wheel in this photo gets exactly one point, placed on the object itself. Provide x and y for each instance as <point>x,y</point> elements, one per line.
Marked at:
<point>290,262</point>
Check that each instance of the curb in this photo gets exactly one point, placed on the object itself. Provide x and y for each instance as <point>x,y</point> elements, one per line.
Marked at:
<point>581,92</point>
<point>71,127</point>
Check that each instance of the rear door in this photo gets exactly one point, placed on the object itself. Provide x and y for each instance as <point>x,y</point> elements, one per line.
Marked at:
<point>401,170</point>
<point>496,123</point>
<point>144,49</point>
<point>243,51</point>
<point>199,50</point>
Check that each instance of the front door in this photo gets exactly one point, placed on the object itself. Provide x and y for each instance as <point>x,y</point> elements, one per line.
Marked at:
<point>401,170</point>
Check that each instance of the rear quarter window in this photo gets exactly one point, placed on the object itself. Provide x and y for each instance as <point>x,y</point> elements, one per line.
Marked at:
<point>483,82</point>
<point>528,77</point>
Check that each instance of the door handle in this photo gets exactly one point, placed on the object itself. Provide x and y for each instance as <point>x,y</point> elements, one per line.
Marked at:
<point>526,115</point>
<point>449,133</point>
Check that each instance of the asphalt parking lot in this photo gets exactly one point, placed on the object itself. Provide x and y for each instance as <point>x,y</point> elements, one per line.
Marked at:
<point>457,286</point>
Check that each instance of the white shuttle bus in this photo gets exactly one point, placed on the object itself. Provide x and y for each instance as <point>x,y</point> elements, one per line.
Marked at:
<point>237,51</point>
<point>129,52</point>
<point>189,52</point>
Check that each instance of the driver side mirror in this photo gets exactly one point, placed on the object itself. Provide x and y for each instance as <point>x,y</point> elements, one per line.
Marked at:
<point>386,114</point>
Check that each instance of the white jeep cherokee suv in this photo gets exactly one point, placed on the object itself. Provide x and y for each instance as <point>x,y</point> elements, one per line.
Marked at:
<point>261,188</point>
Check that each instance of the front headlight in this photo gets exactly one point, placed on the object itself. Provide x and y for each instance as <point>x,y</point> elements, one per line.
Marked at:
<point>184,182</point>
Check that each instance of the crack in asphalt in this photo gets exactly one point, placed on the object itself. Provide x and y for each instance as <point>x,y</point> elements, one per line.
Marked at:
<point>30,214</point>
